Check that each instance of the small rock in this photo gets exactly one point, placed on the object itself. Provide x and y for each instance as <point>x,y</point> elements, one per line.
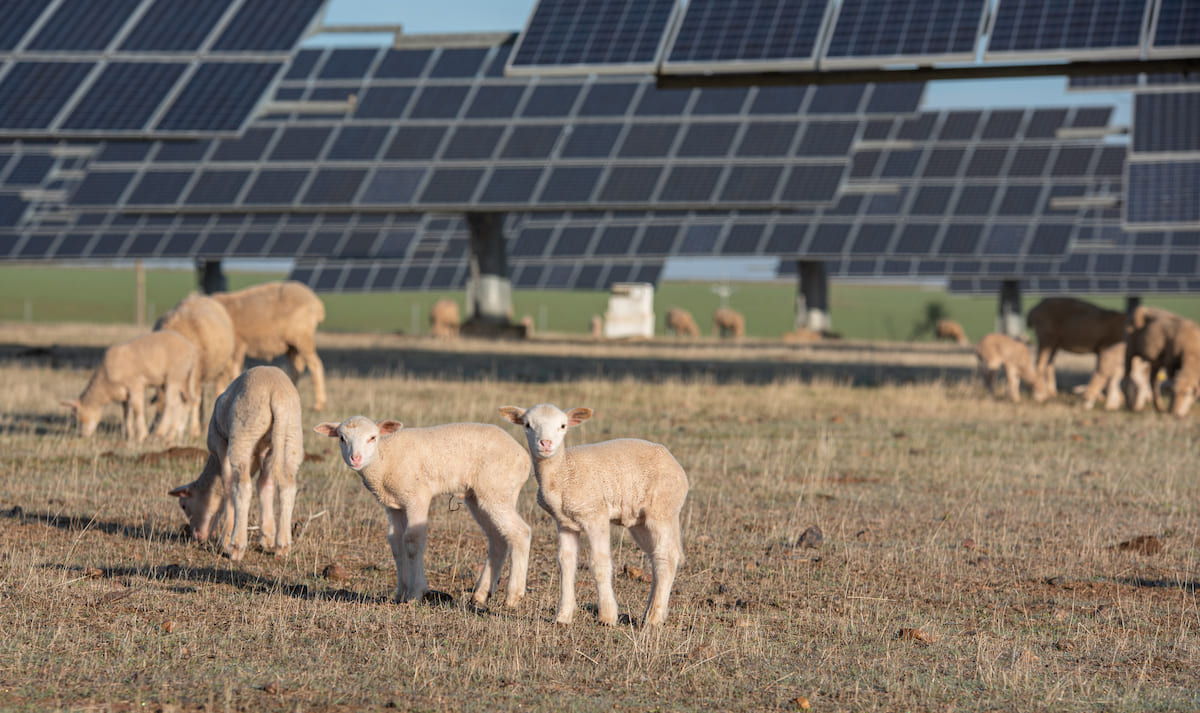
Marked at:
<point>1142,544</point>
<point>336,573</point>
<point>811,538</point>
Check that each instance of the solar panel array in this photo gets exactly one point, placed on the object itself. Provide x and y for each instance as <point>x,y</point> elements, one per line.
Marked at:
<point>142,68</point>
<point>575,36</point>
<point>441,130</point>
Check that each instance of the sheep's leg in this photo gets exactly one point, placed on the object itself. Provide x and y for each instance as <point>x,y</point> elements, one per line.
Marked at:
<point>397,524</point>
<point>506,532</point>
<point>568,559</point>
<point>415,538</point>
<point>600,546</point>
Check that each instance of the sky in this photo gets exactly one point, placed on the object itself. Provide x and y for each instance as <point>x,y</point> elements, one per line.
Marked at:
<point>423,16</point>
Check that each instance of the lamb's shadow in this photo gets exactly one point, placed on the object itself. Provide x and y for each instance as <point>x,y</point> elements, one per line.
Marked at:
<point>150,531</point>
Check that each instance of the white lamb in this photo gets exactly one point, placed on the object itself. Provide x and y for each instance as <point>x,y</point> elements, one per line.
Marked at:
<point>405,468</point>
<point>255,427</point>
<point>162,359</point>
<point>626,481</point>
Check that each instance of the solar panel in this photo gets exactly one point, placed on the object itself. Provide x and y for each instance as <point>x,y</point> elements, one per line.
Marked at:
<point>581,36</point>
<point>873,33</point>
<point>746,35</point>
<point>1176,31</point>
<point>1075,29</point>
<point>1166,122</point>
<point>1162,195</point>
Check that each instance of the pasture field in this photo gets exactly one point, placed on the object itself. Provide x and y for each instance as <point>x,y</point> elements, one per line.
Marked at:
<point>972,552</point>
<point>49,293</point>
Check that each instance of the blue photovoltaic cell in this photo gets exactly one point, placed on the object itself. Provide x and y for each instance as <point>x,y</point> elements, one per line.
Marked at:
<point>732,35</point>
<point>125,96</point>
<point>1072,27</point>
<point>219,96</point>
<point>83,25</point>
<point>1168,121</point>
<point>1163,194</point>
<point>871,32</point>
<point>288,20</point>
<point>33,93</point>
<point>1178,28</point>
<point>597,34</point>
<point>175,25</point>
<point>19,16</point>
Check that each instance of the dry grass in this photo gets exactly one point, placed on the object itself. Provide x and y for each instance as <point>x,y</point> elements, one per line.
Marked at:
<point>970,558</point>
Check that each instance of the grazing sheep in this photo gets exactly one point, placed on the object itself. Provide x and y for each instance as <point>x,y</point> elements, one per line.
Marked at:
<point>277,318</point>
<point>206,324</point>
<point>255,427</point>
<point>1072,325</point>
<point>163,359</point>
<point>728,321</point>
<point>405,468</point>
<point>628,481</point>
<point>680,322</point>
<point>443,319</point>
<point>1171,343</point>
<point>949,329</point>
<point>1000,350</point>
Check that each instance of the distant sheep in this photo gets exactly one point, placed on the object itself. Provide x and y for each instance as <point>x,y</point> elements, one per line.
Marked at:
<point>255,428</point>
<point>680,322</point>
<point>444,320</point>
<point>163,359</point>
<point>405,468</point>
<point>1074,326</point>
<point>1000,351</point>
<point>729,322</point>
<point>950,330</point>
<point>1171,343</point>
<point>277,318</point>
<point>627,481</point>
<point>206,324</point>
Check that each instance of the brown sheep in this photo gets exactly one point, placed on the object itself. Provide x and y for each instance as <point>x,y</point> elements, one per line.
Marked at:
<point>1000,350</point>
<point>444,320</point>
<point>949,329</point>
<point>680,322</point>
<point>204,322</point>
<point>1072,325</point>
<point>277,318</point>
<point>728,321</point>
<point>1170,342</point>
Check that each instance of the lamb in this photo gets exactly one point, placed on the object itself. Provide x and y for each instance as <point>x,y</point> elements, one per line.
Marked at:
<point>1073,325</point>
<point>627,481</point>
<point>405,468</point>
<point>255,428</point>
<point>728,321</point>
<point>949,329</point>
<point>276,318</point>
<point>1167,341</point>
<point>680,322</point>
<point>160,359</point>
<point>1000,350</point>
<point>443,319</point>
<point>206,324</point>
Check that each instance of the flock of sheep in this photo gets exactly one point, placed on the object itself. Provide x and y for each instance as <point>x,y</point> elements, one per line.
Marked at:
<point>1148,344</point>
<point>256,430</point>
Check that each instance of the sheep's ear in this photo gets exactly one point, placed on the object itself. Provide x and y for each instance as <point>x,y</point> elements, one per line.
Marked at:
<point>577,416</point>
<point>514,414</point>
<point>183,491</point>
<point>389,427</point>
<point>327,429</point>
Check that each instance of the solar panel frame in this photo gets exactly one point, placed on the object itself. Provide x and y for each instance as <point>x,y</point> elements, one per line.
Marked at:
<point>1009,43</point>
<point>798,51</point>
<point>898,23</point>
<point>550,44</point>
